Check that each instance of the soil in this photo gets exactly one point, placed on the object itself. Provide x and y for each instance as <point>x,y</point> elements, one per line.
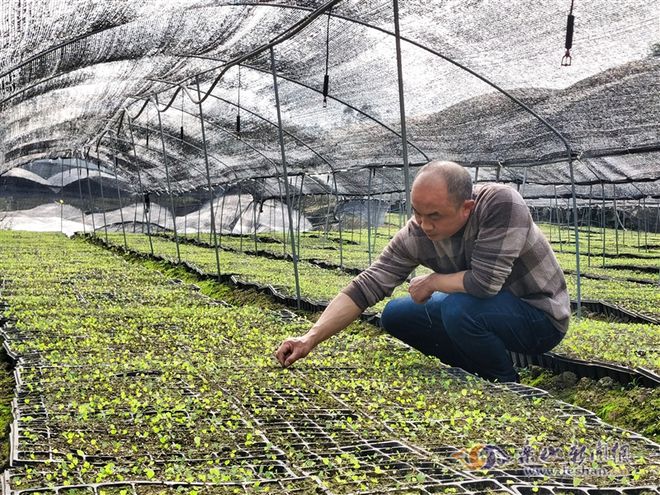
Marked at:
<point>629,407</point>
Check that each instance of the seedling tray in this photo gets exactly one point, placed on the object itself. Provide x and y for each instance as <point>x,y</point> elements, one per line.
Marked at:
<point>590,369</point>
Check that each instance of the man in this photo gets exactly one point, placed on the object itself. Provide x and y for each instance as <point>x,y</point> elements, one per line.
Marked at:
<point>496,283</point>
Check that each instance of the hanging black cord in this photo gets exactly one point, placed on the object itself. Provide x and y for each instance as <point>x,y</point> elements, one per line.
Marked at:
<point>182,101</point>
<point>326,79</point>
<point>238,115</point>
<point>570,23</point>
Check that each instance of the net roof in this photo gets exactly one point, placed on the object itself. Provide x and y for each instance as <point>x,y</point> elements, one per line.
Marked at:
<point>91,80</point>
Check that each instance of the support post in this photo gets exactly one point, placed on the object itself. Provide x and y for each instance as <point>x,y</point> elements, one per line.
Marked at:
<point>199,218</point>
<point>646,226</point>
<point>121,206</point>
<point>254,223</point>
<point>105,219</point>
<point>222,213</point>
<point>639,225</point>
<point>623,223</point>
<point>146,215</point>
<point>561,245</point>
<point>169,185</point>
<point>402,108</point>
<point>239,215</point>
<point>89,191</point>
<point>283,203</point>
<point>286,179</point>
<point>577,241</point>
<point>300,196</point>
<point>339,222</point>
<point>369,171</point>
<point>82,203</point>
<point>62,197</point>
<point>378,208</point>
<point>603,219</point>
<point>589,228</point>
<point>208,182</point>
<point>616,219</point>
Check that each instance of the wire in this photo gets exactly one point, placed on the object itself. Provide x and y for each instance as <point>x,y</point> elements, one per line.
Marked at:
<point>326,78</point>
<point>182,112</point>
<point>570,23</point>
<point>238,105</point>
<point>147,127</point>
<point>182,102</point>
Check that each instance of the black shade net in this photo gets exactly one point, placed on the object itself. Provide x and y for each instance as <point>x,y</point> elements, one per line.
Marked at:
<point>76,77</point>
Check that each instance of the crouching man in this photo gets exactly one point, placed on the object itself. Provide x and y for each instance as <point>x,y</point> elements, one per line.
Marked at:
<point>496,284</point>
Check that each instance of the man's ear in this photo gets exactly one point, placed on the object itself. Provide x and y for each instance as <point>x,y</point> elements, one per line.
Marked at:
<point>468,206</point>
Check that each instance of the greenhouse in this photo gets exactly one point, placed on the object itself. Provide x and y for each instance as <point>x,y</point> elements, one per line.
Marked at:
<point>187,186</point>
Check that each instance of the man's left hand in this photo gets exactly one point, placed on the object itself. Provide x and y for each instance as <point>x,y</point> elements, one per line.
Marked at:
<point>422,287</point>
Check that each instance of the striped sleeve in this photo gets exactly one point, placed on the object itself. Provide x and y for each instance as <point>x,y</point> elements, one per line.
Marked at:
<point>390,270</point>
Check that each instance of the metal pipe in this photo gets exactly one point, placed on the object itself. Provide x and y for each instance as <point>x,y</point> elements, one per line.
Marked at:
<point>146,215</point>
<point>240,219</point>
<point>300,196</point>
<point>623,223</point>
<point>285,173</point>
<point>199,217</point>
<point>550,220</point>
<point>361,225</point>
<point>327,216</point>
<point>402,111</point>
<point>62,197</point>
<point>282,204</point>
<point>222,213</point>
<point>577,239</point>
<point>339,222</point>
<point>602,186</point>
<point>82,203</point>
<point>167,176</point>
<point>378,208</point>
<point>353,222</point>
<point>271,216</point>
<point>89,191</point>
<point>256,215</point>
<point>208,184</point>
<point>121,206</point>
<point>639,226</point>
<point>616,219</point>
<point>105,220</point>
<point>134,216</point>
<point>646,226</point>
<point>524,182</point>
<point>254,223</point>
<point>589,229</point>
<point>561,246</point>
<point>370,173</point>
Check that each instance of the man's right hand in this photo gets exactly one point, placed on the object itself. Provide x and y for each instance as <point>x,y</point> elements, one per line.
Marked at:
<point>338,315</point>
<point>291,350</point>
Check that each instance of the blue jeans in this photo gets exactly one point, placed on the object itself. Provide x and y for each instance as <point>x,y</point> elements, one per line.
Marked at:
<point>472,333</point>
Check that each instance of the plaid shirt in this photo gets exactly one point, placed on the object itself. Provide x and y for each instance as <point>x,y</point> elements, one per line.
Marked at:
<point>500,246</point>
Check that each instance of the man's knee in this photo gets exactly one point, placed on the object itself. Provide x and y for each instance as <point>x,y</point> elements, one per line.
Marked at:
<point>394,316</point>
<point>457,312</point>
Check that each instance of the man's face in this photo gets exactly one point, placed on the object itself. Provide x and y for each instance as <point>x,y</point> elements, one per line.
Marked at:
<point>435,212</point>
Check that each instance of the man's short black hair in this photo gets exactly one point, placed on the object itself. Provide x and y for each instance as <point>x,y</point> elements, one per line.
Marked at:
<point>457,178</point>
